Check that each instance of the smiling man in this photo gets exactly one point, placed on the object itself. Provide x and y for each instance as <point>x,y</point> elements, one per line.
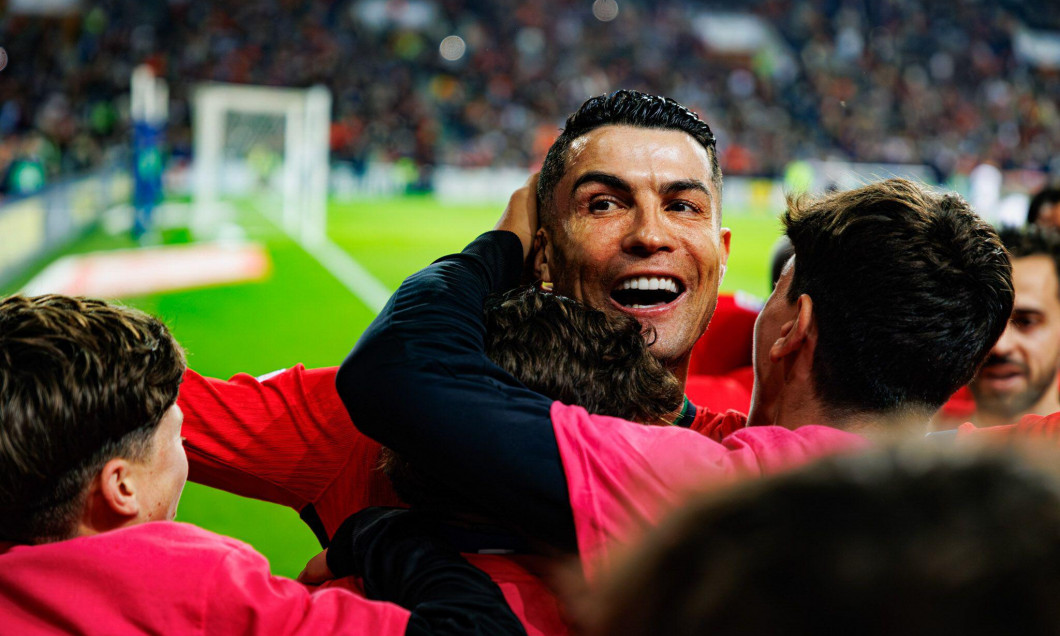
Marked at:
<point>893,298</point>
<point>630,206</point>
<point>1020,376</point>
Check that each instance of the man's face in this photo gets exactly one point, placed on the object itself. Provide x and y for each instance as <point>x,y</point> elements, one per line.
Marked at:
<point>1023,364</point>
<point>637,231</point>
<point>1049,215</point>
<point>166,469</point>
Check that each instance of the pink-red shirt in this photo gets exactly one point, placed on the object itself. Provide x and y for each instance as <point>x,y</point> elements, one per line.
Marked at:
<point>622,476</point>
<point>170,578</point>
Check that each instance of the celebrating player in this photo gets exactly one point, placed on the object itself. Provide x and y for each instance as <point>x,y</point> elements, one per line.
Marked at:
<point>650,168</point>
<point>92,468</point>
<point>892,300</point>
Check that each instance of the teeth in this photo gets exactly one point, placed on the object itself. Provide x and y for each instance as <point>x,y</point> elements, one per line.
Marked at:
<point>645,282</point>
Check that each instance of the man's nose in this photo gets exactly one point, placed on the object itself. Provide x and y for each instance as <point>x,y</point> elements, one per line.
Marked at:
<point>1006,344</point>
<point>649,232</point>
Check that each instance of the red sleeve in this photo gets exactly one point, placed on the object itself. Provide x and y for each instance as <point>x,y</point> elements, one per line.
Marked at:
<point>1041,427</point>
<point>243,598</point>
<point>622,476</point>
<point>285,439</point>
<point>1029,427</point>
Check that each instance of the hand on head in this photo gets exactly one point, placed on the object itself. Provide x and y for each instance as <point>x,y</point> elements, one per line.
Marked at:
<point>520,216</point>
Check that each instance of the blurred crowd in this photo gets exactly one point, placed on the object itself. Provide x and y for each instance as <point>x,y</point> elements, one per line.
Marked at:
<point>872,80</point>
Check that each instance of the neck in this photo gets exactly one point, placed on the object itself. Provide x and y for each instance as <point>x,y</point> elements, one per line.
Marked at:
<point>679,367</point>
<point>806,409</point>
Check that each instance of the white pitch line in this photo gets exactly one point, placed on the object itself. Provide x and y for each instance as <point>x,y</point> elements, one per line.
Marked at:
<point>349,272</point>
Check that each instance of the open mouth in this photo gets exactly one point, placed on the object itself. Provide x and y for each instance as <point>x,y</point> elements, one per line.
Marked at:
<point>642,292</point>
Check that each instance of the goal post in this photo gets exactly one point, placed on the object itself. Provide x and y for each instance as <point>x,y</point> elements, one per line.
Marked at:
<point>253,138</point>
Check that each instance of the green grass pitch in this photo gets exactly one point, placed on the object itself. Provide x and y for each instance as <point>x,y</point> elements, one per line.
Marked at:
<point>302,314</point>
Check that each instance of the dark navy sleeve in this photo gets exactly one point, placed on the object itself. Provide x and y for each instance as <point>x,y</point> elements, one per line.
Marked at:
<point>419,382</point>
<point>400,557</point>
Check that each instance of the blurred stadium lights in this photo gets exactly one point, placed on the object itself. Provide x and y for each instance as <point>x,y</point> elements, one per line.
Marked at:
<point>43,7</point>
<point>605,10</point>
<point>380,14</point>
<point>452,48</point>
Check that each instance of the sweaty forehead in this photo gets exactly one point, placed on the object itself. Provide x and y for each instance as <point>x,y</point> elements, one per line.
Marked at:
<point>632,151</point>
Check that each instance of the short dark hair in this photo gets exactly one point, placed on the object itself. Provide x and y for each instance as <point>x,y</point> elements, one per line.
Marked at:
<point>1048,196</point>
<point>621,108</point>
<point>81,382</point>
<point>568,352</point>
<point>910,291</point>
<point>895,542</point>
<point>782,252</point>
<point>1032,240</point>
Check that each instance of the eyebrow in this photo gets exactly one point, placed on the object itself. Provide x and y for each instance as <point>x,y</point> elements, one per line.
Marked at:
<point>619,183</point>
<point>602,178</point>
<point>686,184</point>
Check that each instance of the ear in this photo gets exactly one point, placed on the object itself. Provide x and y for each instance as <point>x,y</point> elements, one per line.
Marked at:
<point>542,256</point>
<point>797,335</point>
<point>117,487</point>
<point>725,236</point>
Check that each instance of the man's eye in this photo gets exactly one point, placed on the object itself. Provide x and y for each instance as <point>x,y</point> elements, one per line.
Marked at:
<point>683,206</point>
<point>1025,323</point>
<point>601,205</point>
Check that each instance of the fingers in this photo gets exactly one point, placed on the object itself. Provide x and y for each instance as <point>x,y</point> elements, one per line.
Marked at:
<point>520,217</point>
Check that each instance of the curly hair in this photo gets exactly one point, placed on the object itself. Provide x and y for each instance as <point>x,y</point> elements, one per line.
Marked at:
<point>568,352</point>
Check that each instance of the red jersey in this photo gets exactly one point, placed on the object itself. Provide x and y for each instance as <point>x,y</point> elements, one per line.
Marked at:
<point>726,345</point>
<point>718,393</point>
<point>170,578</point>
<point>288,439</point>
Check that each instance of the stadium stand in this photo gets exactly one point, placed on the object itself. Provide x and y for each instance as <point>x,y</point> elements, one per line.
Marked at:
<point>943,84</point>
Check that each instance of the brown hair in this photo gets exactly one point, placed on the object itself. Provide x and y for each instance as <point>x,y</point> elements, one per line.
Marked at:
<point>81,382</point>
<point>568,352</point>
<point>895,542</point>
<point>910,291</point>
<point>1033,240</point>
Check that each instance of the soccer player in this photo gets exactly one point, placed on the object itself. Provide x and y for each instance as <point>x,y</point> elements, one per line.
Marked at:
<point>634,195</point>
<point>91,471</point>
<point>892,300</point>
<point>1020,376</point>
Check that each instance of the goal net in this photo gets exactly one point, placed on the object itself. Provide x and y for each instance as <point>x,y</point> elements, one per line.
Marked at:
<point>265,145</point>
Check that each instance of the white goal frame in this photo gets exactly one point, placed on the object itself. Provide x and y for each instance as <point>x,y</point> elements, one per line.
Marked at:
<point>307,121</point>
